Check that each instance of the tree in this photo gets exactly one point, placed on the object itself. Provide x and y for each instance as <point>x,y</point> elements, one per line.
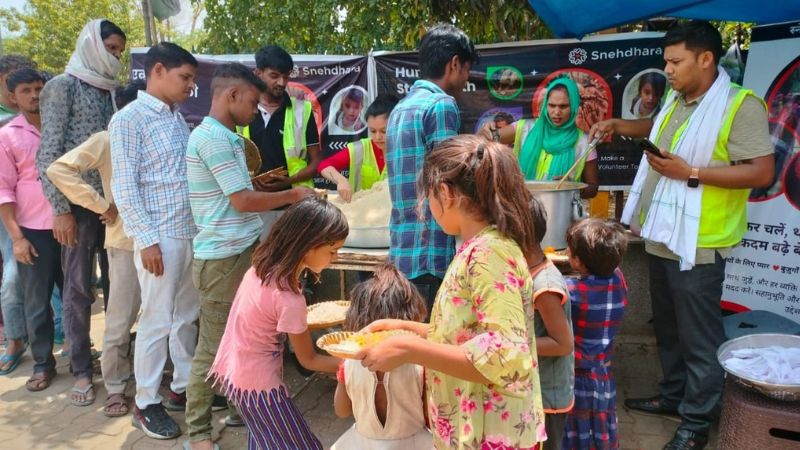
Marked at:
<point>49,28</point>
<point>358,26</point>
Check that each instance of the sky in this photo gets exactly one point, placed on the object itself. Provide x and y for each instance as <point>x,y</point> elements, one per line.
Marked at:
<point>181,22</point>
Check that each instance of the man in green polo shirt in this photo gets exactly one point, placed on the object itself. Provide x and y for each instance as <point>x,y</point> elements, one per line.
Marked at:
<point>689,202</point>
<point>225,208</point>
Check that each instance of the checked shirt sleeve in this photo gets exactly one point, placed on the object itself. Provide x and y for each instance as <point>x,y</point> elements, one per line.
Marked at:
<point>126,151</point>
<point>441,122</point>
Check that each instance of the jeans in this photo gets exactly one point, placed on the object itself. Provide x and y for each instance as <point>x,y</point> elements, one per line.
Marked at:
<point>217,280</point>
<point>57,303</point>
<point>170,306</point>
<point>37,282</point>
<point>121,311</point>
<point>11,299</point>
<point>689,330</point>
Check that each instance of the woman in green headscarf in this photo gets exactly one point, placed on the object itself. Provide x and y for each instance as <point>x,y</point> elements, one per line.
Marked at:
<point>547,147</point>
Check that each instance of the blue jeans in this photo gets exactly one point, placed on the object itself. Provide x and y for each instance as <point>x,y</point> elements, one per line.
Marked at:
<point>58,312</point>
<point>11,299</point>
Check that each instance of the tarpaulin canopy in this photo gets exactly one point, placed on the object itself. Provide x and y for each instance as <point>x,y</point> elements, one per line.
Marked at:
<point>576,18</point>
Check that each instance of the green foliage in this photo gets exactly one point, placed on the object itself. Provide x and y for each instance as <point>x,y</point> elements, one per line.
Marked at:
<point>49,28</point>
<point>358,26</point>
<point>729,31</point>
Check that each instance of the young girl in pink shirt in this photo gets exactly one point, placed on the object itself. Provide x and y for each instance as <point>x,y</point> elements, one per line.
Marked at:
<point>268,308</point>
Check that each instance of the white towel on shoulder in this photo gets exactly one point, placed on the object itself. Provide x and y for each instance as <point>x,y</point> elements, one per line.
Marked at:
<point>674,215</point>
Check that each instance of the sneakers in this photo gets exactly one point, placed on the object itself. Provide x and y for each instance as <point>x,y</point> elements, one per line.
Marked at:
<point>219,404</point>
<point>155,422</point>
<point>687,440</point>
<point>175,401</point>
<point>234,420</point>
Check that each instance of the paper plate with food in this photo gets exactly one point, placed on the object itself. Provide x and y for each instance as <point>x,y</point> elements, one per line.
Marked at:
<point>557,256</point>
<point>346,344</point>
<point>327,314</point>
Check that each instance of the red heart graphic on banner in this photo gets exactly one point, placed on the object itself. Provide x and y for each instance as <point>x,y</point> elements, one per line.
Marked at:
<point>776,268</point>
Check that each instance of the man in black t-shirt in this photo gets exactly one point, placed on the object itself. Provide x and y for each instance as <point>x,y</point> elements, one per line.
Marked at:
<point>285,130</point>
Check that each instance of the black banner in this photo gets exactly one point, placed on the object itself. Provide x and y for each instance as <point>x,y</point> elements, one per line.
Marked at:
<point>512,79</point>
<point>328,82</point>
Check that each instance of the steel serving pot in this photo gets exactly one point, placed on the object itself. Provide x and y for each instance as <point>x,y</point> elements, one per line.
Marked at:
<point>785,392</point>
<point>563,206</point>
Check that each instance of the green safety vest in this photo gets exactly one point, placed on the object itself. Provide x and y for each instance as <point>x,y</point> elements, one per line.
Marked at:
<point>295,123</point>
<point>723,211</point>
<point>524,126</point>
<point>364,171</point>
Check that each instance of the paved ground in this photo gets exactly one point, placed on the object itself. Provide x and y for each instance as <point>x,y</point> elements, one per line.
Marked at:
<point>46,420</point>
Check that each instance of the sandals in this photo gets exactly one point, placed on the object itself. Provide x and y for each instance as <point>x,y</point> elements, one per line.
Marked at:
<point>188,445</point>
<point>112,402</point>
<point>87,393</point>
<point>40,381</point>
<point>13,359</point>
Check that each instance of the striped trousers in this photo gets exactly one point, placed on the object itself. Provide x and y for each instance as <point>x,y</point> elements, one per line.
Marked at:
<point>274,422</point>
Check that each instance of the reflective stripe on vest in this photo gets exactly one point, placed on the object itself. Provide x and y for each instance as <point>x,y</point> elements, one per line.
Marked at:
<point>723,211</point>
<point>364,171</point>
<point>295,124</point>
<point>294,138</point>
<point>524,126</point>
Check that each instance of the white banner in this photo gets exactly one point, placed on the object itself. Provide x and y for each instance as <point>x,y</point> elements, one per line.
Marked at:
<point>764,271</point>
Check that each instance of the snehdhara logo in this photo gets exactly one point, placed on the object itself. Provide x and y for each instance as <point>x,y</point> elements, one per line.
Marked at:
<point>577,56</point>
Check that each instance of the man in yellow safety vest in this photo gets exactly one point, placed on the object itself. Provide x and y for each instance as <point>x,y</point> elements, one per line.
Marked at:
<point>689,202</point>
<point>285,130</point>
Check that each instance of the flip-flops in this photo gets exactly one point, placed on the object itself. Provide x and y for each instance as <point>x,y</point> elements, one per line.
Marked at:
<point>188,446</point>
<point>46,379</point>
<point>88,395</point>
<point>13,359</point>
<point>115,400</point>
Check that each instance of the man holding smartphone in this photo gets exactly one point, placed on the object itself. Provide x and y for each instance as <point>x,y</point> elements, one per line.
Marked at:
<point>689,204</point>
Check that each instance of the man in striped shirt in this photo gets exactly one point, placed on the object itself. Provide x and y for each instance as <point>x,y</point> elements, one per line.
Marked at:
<point>225,208</point>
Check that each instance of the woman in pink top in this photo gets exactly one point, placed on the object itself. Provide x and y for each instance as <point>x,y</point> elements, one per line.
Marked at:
<point>268,307</point>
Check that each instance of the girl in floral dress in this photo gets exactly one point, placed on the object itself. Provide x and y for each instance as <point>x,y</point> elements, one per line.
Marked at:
<point>482,380</point>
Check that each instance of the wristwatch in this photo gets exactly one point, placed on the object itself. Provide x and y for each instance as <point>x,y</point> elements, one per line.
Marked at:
<point>694,178</point>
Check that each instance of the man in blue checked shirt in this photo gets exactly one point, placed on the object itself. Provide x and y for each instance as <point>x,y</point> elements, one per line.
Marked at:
<point>426,116</point>
<point>151,190</point>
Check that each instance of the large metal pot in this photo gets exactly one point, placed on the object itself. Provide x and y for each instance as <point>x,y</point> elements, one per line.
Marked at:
<point>785,392</point>
<point>563,206</point>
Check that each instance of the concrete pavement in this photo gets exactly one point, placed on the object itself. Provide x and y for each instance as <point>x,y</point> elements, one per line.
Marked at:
<point>46,420</point>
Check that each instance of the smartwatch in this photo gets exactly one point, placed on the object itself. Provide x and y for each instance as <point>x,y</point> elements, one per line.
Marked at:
<point>694,178</point>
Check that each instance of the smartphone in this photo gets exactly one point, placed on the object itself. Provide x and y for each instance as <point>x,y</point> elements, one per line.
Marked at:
<point>648,146</point>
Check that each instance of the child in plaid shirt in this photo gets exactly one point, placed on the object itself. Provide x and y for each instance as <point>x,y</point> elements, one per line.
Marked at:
<point>598,297</point>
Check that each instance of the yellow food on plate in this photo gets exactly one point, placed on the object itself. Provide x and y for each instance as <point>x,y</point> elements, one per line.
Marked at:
<point>346,344</point>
